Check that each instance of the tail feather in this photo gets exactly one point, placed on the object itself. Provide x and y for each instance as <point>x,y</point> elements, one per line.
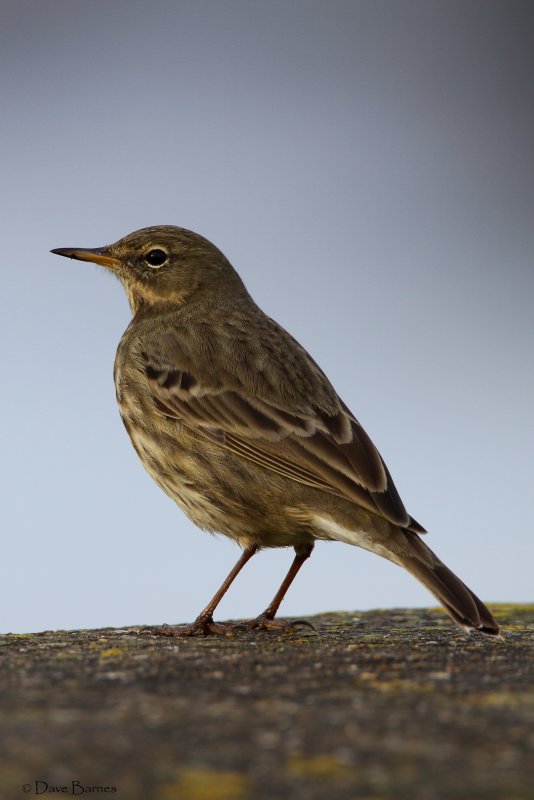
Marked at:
<point>458,600</point>
<point>463,606</point>
<point>405,548</point>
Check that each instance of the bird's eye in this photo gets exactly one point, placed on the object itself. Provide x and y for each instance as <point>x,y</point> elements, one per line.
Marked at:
<point>156,257</point>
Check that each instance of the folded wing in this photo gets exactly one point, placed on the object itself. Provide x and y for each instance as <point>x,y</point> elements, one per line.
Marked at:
<point>318,444</point>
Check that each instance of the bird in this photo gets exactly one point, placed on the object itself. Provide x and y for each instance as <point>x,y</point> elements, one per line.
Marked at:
<point>238,424</point>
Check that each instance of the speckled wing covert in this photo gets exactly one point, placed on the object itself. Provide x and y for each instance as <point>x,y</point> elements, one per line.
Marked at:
<point>282,414</point>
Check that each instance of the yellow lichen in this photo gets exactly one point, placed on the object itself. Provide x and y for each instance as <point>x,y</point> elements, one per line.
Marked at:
<point>319,766</point>
<point>199,784</point>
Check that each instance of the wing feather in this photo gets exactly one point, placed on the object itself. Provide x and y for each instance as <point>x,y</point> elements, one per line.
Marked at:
<point>321,446</point>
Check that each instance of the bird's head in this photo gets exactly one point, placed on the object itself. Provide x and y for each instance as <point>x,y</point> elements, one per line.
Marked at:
<point>162,265</point>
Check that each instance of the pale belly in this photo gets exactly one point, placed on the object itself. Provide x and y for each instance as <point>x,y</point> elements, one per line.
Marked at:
<point>215,490</point>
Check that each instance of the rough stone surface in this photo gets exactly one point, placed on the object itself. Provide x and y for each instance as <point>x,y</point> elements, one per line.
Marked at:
<point>378,705</point>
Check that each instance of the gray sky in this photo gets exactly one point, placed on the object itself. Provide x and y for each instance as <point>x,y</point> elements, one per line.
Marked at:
<point>368,169</point>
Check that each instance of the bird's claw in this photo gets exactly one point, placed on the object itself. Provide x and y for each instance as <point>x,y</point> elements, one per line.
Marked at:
<point>204,625</point>
<point>265,623</point>
<point>207,627</point>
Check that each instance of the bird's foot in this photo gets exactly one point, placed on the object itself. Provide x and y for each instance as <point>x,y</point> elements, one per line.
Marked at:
<point>203,625</point>
<point>207,627</point>
<point>266,623</point>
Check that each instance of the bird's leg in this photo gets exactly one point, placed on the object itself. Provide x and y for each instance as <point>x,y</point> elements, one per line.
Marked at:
<point>204,622</point>
<point>266,621</point>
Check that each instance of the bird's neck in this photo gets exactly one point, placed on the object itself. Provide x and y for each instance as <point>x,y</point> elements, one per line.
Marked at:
<point>145,301</point>
<point>190,304</point>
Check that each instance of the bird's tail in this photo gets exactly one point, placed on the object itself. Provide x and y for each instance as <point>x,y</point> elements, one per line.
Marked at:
<point>458,600</point>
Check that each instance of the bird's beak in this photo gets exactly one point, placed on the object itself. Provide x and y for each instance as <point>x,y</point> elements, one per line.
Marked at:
<point>98,255</point>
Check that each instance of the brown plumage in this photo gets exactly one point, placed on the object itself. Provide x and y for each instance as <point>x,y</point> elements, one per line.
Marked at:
<point>237,423</point>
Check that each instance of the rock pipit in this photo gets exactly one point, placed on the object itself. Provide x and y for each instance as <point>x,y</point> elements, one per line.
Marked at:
<point>237,423</point>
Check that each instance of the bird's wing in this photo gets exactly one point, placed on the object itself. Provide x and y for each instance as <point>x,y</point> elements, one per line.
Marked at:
<point>282,415</point>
